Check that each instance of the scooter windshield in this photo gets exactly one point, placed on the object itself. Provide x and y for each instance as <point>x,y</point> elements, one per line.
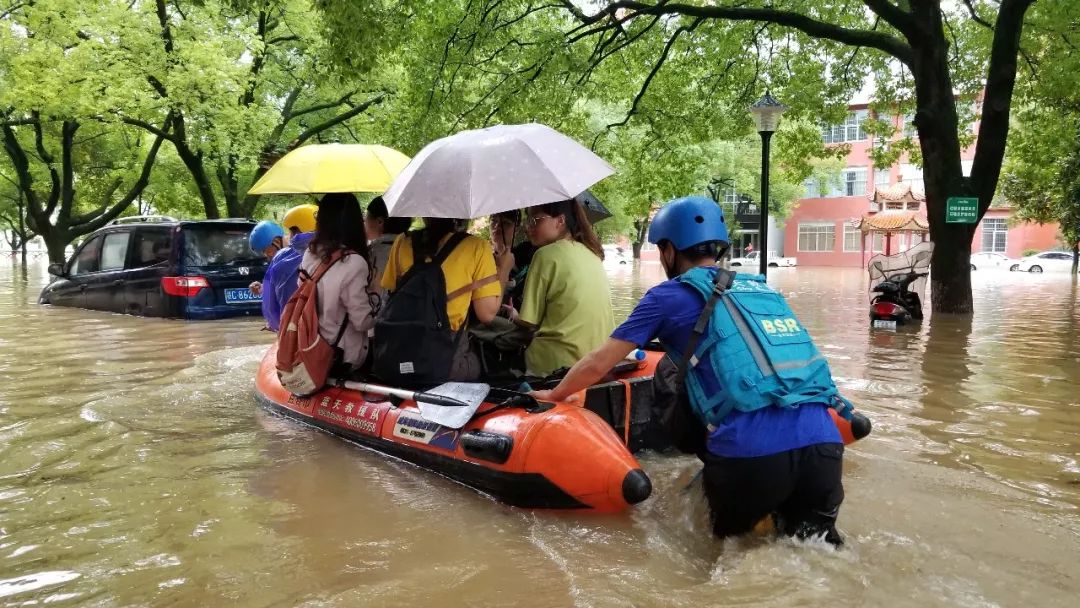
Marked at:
<point>902,266</point>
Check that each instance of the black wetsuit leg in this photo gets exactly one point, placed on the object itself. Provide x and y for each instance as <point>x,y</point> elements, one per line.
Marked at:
<point>802,487</point>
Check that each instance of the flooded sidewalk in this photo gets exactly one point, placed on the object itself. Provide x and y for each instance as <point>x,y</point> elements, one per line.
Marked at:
<point>136,469</point>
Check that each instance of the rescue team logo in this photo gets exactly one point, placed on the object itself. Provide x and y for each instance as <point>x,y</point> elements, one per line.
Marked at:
<point>415,428</point>
<point>780,326</point>
<point>364,418</point>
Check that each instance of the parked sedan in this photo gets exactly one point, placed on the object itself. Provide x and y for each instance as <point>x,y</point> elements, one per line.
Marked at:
<point>1047,261</point>
<point>990,259</point>
<point>161,267</point>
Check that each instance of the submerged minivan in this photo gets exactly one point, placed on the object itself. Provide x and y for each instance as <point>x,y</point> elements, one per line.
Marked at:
<point>157,266</point>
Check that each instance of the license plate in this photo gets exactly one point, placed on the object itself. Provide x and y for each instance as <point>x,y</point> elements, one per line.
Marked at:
<point>240,296</point>
<point>884,324</point>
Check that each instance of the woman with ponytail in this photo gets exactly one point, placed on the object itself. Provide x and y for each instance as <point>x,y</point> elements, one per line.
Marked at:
<point>566,302</point>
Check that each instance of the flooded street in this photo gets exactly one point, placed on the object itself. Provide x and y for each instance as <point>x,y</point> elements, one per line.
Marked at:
<point>137,470</point>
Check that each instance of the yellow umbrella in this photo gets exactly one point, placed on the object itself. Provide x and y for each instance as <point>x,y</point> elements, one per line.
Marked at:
<point>322,168</point>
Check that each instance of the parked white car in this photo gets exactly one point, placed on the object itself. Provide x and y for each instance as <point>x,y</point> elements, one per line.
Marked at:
<point>1047,261</point>
<point>751,259</point>
<point>614,254</point>
<point>990,259</point>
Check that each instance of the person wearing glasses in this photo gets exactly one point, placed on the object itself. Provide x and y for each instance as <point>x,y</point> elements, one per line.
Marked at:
<point>512,260</point>
<point>566,303</point>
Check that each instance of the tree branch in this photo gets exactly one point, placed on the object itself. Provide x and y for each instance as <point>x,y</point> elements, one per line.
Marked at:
<point>340,118</point>
<point>11,9</point>
<point>893,15</point>
<point>881,41</point>
<point>649,78</point>
<point>152,129</point>
<point>997,101</point>
<point>140,184</point>
<point>18,122</point>
<point>322,106</point>
<point>47,159</point>
<point>975,15</point>
<point>21,164</point>
<point>67,165</point>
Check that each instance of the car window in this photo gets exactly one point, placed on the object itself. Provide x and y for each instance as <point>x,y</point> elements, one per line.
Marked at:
<point>151,247</point>
<point>1062,256</point>
<point>218,246</point>
<point>114,251</point>
<point>88,258</point>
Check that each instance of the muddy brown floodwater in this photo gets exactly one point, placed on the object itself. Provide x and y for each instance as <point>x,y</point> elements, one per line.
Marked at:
<point>136,470</point>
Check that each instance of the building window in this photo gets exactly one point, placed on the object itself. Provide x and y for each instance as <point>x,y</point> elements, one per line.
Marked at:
<point>849,130</point>
<point>852,182</point>
<point>912,175</point>
<point>853,240</point>
<point>995,235</point>
<point>812,188</point>
<point>910,130</point>
<point>855,181</point>
<point>881,178</point>
<point>817,236</point>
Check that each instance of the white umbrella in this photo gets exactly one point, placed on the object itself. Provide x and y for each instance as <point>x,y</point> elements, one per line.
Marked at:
<point>477,173</point>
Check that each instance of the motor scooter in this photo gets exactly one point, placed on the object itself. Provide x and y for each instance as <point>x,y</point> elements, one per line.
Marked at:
<point>896,283</point>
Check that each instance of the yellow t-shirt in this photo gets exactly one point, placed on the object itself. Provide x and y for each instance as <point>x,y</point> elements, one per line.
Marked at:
<point>469,271</point>
<point>567,298</point>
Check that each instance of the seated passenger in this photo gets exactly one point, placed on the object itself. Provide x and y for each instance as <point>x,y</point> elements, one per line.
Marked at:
<point>282,274</point>
<point>511,260</point>
<point>381,231</point>
<point>344,300</point>
<point>566,302</point>
<point>471,283</point>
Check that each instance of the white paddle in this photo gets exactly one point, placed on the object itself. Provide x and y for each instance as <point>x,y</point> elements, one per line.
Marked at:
<point>451,404</point>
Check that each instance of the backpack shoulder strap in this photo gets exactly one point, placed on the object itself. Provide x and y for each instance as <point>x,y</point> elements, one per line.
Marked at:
<point>721,283</point>
<point>448,248</point>
<point>322,268</point>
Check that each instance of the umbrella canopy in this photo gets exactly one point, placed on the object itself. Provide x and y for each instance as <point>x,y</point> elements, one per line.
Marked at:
<point>322,168</point>
<point>594,209</point>
<point>482,172</point>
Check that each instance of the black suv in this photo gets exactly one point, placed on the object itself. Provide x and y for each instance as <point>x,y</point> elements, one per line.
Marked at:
<point>157,266</point>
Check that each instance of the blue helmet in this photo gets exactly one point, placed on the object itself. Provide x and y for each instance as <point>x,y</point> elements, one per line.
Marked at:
<point>263,234</point>
<point>688,221</point>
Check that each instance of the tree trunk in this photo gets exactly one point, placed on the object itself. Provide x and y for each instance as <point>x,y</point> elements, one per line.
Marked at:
<point>943,176</point>
<point>23,232</point>
<point>1076,257</point>
<point>641,230</point>
<point>56,242</point>
<point>194,164</point>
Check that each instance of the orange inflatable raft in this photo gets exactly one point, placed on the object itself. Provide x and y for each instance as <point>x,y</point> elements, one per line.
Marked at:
<point>535,455</point>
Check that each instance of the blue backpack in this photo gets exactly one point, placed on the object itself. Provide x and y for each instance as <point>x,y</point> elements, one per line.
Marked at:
<point>749,351</point>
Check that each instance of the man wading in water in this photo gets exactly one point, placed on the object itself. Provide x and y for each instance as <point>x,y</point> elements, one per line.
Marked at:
<point>755,382</point>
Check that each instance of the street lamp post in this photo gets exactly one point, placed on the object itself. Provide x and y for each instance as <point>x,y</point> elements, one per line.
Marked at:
<point>766,112</point>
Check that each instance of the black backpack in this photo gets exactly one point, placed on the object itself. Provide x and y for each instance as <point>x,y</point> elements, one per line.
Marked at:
<point>414,343</point>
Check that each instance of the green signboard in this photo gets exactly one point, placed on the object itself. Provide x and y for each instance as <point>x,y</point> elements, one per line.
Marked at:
<point>961,210</point>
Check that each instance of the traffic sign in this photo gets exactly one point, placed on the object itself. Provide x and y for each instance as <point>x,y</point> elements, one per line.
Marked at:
<point>961,210</point>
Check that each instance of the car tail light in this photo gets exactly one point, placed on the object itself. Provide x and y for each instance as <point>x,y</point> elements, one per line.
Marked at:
<point>184,287</point>
<point>887,309</point>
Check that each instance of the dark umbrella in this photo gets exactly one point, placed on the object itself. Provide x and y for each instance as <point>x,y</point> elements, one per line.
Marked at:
<point>594,209</point>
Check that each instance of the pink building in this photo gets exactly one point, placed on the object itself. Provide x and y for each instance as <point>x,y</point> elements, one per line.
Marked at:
<point>822,230</point>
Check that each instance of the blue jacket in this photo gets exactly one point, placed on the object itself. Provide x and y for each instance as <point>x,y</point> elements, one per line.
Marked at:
<point>281,279</point>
